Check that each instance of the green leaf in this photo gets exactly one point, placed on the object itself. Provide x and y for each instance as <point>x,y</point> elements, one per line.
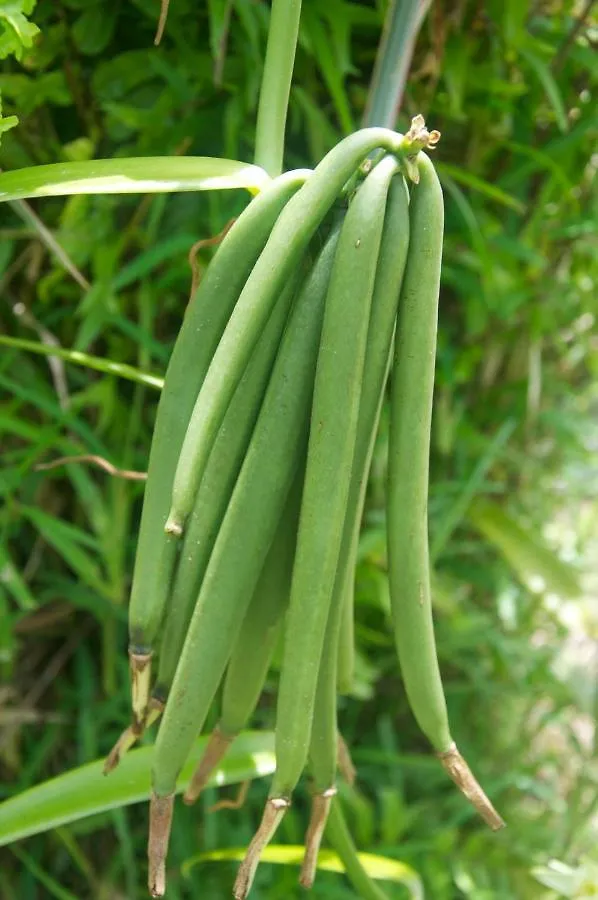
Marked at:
<point>379,867</point>
<point>94,28</point>
<point>147,175</point>
<point>534,563</point>
<point>16,31</point>
<point>559,877</point>
<point>14,582</point>
<point>469,489</point>
<point>121,370</point>
<point>551,88</point>
<point>478,184</point>
<point>68,541</point>
<point>85,791</point>
<point>7,122</point>
<point>51,885</point>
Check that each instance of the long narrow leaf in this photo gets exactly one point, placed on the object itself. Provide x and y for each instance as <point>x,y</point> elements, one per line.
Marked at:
<point>470,488</point>
<point>14,582</point>
<point>479,185</point>
<point>538,567</point>
<point>378,867</point>
<point>85,791</point>
<point>551,88</point>
<point>121,370</point>
<point>146,175</point>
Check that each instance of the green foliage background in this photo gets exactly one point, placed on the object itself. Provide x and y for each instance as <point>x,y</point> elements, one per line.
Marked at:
<point>512,87</point>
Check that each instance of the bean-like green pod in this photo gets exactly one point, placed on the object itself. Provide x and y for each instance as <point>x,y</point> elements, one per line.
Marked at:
<point>288,240</point>
<point>198,338</point>
<point>210,505</point>
<point>389,275</point>
<point>385,299</point>
<point>412,386</point>
<point>252,654</point>
<point>217,485</point>
<point>412,389</point>
<point>331,448</point>
<point>273,457</point>
<point>333,431</point>
<point>345,664</point>
<point>323,747</point>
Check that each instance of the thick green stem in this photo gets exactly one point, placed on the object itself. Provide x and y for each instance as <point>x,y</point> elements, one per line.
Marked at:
<point>403,21</point>
<point>339,837</point>
<point>276,85</point>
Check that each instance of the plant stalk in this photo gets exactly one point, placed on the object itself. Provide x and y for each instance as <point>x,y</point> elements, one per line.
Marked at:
<point>276,85</point>
<point>401,27</point>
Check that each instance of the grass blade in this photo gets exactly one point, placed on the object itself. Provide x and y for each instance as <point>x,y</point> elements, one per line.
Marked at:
<point>536,565</point>
<point>378,867</point>
<point>14,583</point>
<point>77,358</point>
<point>471,487</point>
<point>478,184</point>
<point>85,791</point>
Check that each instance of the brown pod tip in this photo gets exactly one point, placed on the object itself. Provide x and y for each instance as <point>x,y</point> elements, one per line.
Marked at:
<point>124,743</point>
<point>344,761</point>
<point>140,665</point>
<point>320,809</point>
<point>456,767</point>
<point>273,814</point>
<point>132,734</point>
<point>157,846</point>
<point>217,746</point>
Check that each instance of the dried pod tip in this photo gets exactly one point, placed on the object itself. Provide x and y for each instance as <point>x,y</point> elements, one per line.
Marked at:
<point>217,746</point>
<point>273,814</point>
<point>140,665</point>
<point>157,847</point>
<point>124,743</point>
<point>132,734</point>
<point>456,767</point>
<point>345,764</point>
<point>317,823</point>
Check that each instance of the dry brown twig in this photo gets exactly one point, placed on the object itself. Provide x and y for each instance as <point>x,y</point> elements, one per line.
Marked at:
<point>128,474</point>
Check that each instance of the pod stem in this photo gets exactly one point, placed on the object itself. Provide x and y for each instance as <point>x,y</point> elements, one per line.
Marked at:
<point>140,666</point>
<point>215,750</point>
<point>274,811</point>
<point>132,734</point>
<point>275,88</point>
<point>320,809</point>
<point>344,762</point>
<point>157,847</point>
<point>339,837</point>
<point>456,767</point>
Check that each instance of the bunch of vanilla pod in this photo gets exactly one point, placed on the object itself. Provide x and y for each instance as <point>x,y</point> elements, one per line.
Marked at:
<point>325,284</point>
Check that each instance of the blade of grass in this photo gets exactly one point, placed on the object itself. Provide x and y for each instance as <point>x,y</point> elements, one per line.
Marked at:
<point>77,358</point>
<point>551,88</point>
<point>14,583</point>
<point>54,889</point>
<point>379,867</point>
<point>481,186</point>
<point>538,567</point>
<point>471,487</point>
<point>85,791</point>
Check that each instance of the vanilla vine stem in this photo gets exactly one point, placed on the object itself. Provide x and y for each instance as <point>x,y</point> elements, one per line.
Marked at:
<point>276,85</point>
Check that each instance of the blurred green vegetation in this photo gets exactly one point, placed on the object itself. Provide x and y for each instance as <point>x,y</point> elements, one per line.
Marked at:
<point>512,86</point>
